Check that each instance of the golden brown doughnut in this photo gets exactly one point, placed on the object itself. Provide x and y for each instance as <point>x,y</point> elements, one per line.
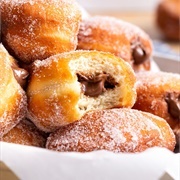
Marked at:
<point>25,133</point>
<point>65,86</point>
<point>117,130</point>
<point>20,74</point>
<point>159,94</point>
<point>167,18</point>
<point>13,101</point>
<point>38,29</point>
<point>123,39</point>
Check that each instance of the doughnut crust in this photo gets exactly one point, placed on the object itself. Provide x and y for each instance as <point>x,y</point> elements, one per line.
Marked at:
<point>20,74</point>
<point>121,38</point>
<point>159,94</point>
<point>117,130</point>
<point>64,87</point>
<point>38,29</point>
<point>13,101</point>
<point>167,18</point>
<point>25,133</point>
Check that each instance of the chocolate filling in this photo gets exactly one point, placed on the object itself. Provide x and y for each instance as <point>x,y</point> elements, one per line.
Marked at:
<point>173,101</point>
<point>20,74</point>
<point>94,86</point>
<point>138,53</point>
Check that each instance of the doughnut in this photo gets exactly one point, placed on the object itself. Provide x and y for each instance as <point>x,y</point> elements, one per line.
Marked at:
<point>121,38</point>
<point>167,19</point>
<point>20,74</point>
<point>25,133</point>
<point>65,86</point>
<point>34,29</point>
<point>117,130</point>
<point>159,94</point>
<point>13,101</point>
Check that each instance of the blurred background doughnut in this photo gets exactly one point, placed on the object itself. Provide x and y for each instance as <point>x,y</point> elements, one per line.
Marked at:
<point>167,19</point>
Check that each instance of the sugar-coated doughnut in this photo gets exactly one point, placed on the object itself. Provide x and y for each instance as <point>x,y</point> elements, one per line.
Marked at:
<point>121,38</point>
<point>20,74</point>
<point>167,18</point>
<point>38,29</point>
<point>25,133</point>
<point>65,86</point>
<point>159,94</point>
<point>13,101</point>
<point>117,130</point>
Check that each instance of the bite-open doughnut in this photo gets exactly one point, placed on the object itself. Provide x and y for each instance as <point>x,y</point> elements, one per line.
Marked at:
<point>117,130</point>
<point>65,86</point>
<point>121,38</point>
<point>34,29</point>
<point>13,101</point>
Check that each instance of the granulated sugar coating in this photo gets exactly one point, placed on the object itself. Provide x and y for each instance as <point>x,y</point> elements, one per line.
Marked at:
<point>13,114</point>
<point>25,133</point>
<point>38,29</point>
<point>112,25</point>
<point>156,79</point>
<point>153,90</point>
<point>117,130</point>
<point>123,39</point>
<point>159,93</point>
<point>55,96</point>
<point>13,101</point>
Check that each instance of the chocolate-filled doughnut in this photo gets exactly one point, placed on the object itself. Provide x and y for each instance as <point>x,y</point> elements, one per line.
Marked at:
<point>159,94</point>
<point>64,87</point>
<point>34,29</point>
<point>25,133</point>
<point>167,18</point>
<point>121,38</point>
<point>13,101</point>
<point>117,130</point>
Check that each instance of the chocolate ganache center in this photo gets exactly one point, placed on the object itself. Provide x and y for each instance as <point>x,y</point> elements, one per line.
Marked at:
<point>20,74</point>
<point>138,53</point>
<point>95,85</point>
<point>173,102</point>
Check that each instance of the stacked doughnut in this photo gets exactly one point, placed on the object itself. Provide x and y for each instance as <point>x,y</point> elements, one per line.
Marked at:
<point>38,29</point>
<point>64,87</point>
<point>82,80</point>
<point>25,133</point>
<point>159,93</point>
<point>13,101</point>
<point>30,30</point>
<point>122,39</point>
<point>117,130</point>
